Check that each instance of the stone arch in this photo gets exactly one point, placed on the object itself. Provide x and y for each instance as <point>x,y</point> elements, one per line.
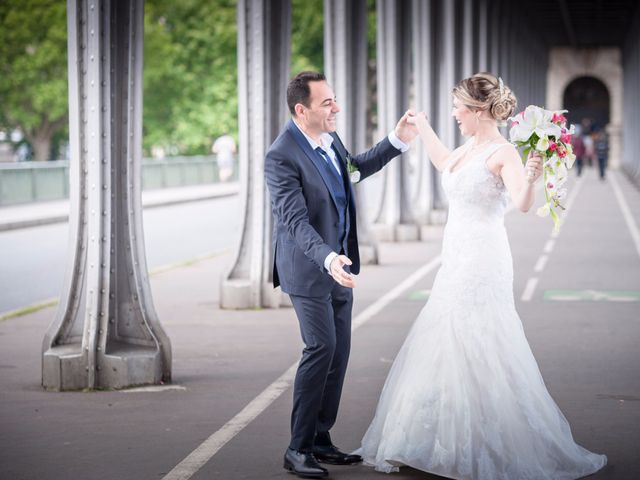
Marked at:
<point>604,64</point>
<point>588,97</point>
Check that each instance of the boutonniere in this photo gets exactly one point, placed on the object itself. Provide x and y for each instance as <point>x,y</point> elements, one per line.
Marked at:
<point>354,173</point>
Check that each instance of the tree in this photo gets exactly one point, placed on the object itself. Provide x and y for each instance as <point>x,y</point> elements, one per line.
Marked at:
<point>190,70</point>
<point>33,72</point>
<point>307,36</point>
<point>190,94</point>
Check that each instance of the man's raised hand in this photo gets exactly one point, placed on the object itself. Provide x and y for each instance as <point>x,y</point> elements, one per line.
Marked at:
<point>405,130</point>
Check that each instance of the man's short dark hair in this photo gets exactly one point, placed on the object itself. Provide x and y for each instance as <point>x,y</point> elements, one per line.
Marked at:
<point>298,90</point>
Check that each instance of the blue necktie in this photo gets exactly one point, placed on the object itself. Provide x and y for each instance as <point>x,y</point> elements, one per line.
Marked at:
<point>327,160</point>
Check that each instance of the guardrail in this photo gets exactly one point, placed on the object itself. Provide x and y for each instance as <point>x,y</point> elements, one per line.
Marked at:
<point>25,182</point>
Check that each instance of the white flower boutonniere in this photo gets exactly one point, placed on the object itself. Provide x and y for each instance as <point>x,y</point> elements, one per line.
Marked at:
<point>354,173</point>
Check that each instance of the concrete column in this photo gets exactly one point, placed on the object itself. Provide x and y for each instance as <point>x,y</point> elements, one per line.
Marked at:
<point>446,34</point>
<point>468,29</point>
<point>395,221</point>
<point>483,36</point>
<point>495,36</point>
<point>345,65</point>
<point>264,28</point>
<point>106,333</point>
<point>631,110</point>
<point>444,13</point>
<point>505,65</point>
<point>424,78</point>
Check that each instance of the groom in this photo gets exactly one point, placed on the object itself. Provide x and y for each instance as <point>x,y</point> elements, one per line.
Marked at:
<point>316,256</point>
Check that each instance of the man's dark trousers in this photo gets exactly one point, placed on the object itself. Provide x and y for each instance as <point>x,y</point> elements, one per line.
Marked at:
<point>325,325</point>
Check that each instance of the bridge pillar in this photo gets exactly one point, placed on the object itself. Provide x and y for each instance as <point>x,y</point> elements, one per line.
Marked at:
<point>106,333</point>
<point>264,31</point>
<point>345,65</point>
<point>395,220</point>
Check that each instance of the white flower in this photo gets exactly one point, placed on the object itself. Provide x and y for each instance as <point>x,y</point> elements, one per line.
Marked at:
<point>354,176</point>
<point>534,120</point>
<point>561,172</point>
<point>562,193</point>
<point>544,210</point>
<point>543,144</point>
<point>569,159</point>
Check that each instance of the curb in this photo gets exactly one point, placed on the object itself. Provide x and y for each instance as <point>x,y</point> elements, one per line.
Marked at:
<point>62,218</point>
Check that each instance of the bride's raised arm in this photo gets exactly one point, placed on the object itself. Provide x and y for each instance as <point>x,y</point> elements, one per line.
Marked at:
<point>437,152</point>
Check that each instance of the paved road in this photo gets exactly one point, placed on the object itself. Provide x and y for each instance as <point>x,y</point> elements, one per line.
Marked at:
<point>34,259</point>
<point>223,360</point>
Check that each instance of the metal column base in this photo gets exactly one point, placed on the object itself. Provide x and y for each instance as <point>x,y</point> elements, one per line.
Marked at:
<point>402,232</point>
<point>236,295</point>
<point>65,367</point>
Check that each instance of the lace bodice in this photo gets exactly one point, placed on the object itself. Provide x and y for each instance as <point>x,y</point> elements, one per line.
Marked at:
<point>475,194</point>
<point>475,249</point>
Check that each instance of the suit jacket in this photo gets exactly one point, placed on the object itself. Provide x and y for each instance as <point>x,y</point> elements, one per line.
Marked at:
<point>306,219</point>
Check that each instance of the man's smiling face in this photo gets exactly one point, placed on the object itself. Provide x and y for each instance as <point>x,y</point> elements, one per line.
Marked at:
<point>320,116</point>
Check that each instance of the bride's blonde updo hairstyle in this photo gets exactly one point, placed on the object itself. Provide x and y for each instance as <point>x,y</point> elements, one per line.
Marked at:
<point>483,91</point>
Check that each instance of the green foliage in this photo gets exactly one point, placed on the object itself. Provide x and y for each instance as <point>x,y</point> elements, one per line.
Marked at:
<point>190,74</point>
<point>190,69</point>
<point>33,70</point>
<point>307,36</point>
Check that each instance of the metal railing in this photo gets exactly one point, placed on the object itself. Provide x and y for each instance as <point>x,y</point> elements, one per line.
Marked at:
<point>24,182</point>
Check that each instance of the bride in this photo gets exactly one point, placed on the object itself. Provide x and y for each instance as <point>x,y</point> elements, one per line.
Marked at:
<point>464,398</point>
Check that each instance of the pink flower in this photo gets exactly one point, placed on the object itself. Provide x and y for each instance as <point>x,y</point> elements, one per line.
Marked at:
<point>514,122</point>
<point>553,146</point>
<point>562,151</point>
<point>550,186</point>
<point>566,138</point>
<point>558,118</point>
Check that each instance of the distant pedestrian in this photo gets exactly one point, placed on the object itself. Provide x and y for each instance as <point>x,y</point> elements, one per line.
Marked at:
<point>224,148</point>
<point>578,149</point>
<point>589,151</point>
<point>601,147</point>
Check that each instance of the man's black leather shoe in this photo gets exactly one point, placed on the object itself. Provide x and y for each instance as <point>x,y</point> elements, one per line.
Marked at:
<point>303,464</point>
<point>331,455</point>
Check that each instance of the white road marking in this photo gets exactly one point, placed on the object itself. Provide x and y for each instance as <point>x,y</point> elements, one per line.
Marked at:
<point>207,449</point>
<point>626,211</point>
<point>542,261</point>
<point>527,295</point>
<point>532,283</point>
<point>549,246</point>
<point>153,389</point>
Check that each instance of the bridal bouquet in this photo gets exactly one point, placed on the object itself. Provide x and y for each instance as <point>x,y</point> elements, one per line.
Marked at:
<point>546,131</point>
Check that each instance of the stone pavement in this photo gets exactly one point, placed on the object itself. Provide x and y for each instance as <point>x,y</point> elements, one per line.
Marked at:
<point>577,294</point>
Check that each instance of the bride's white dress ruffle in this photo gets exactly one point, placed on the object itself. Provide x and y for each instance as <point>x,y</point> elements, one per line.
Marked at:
<point>464,398</point>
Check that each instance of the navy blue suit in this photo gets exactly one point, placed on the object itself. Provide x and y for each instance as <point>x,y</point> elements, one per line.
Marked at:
<point>314,214</point>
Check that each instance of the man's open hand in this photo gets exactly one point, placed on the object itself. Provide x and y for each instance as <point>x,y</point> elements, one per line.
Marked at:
<point>339,274</point>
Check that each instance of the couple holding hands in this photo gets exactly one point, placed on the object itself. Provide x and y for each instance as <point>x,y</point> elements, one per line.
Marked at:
<point>464,398</point>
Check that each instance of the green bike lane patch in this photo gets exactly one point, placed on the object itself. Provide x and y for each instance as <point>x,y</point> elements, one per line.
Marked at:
<point>419,295</point>
<point>625,296</point>
<point>592,295</point>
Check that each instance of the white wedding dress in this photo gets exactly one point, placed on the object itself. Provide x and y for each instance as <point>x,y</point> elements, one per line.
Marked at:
<point>464,398</point>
